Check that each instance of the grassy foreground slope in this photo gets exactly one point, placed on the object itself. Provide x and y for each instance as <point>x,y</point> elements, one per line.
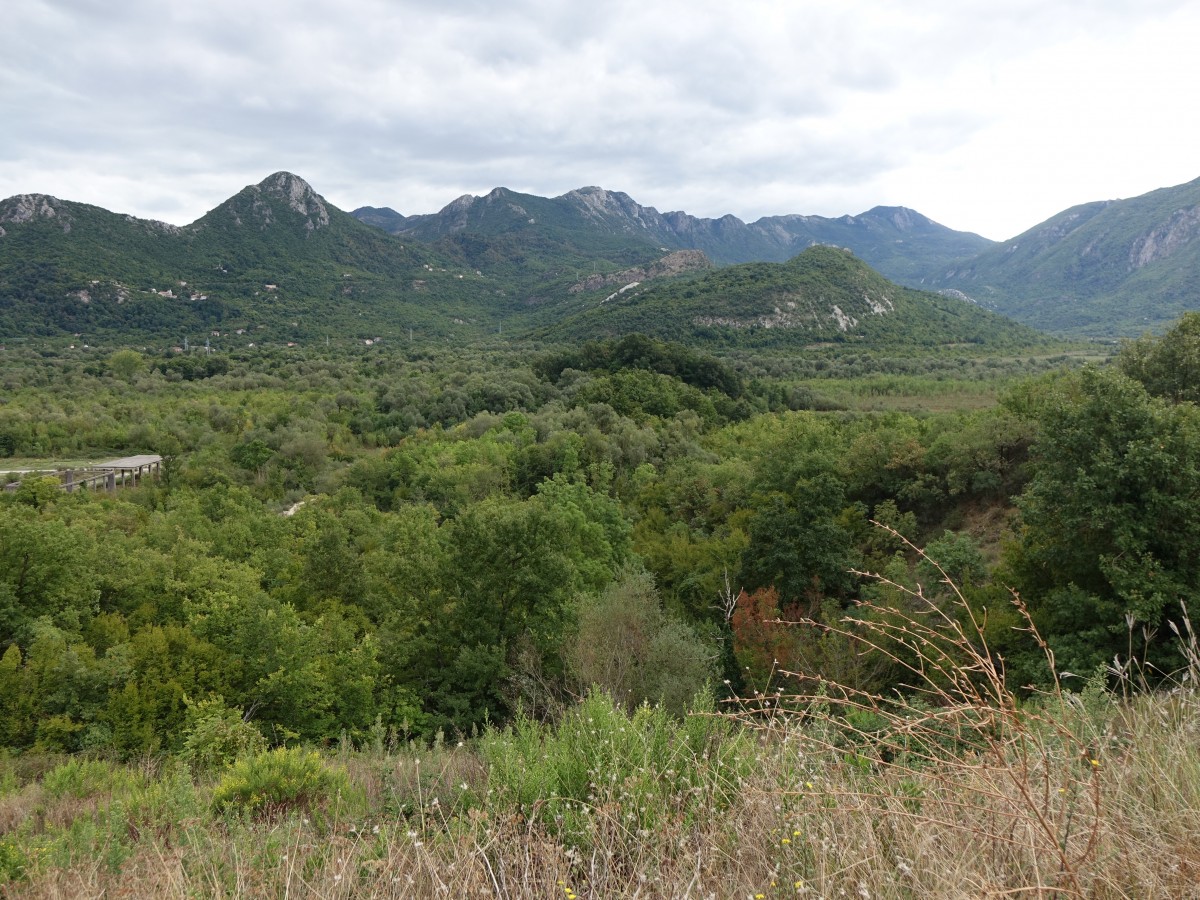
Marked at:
<point>613,804</point>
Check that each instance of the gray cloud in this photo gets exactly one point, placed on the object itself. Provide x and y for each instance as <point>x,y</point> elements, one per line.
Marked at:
<point>164,109</point>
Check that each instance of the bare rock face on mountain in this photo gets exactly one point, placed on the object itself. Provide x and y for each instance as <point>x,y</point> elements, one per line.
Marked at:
<point>677,263</point>
<point>672,264</point>
<point>1102,268</point>
<point>275,200</point>
<point>615,208</point>
<point>1178,231</point>
<point>29,207</point>
<point>299,196</point>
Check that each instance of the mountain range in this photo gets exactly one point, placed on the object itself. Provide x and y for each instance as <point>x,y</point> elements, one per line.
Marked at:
<point>275,258</point>
<point>898,242</point>
<point>278,260</point>
<point>1115,267</point>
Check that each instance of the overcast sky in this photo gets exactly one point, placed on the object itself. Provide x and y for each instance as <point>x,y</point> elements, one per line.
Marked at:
<point>983,115</point>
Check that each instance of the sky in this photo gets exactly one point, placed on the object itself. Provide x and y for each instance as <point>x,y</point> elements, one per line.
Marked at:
<point>985,116</point>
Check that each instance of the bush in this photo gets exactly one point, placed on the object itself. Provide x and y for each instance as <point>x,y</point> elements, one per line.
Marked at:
<point>218,735</point>
<point>87,777</point>
<point>1022,774</point>
<point>643,768</point>
<point>13,860</point>
<point>273,783</point>
<point>629,646</point>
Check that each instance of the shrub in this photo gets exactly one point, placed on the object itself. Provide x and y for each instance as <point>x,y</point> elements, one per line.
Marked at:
<point>218,735</point>
<point>87,777</point>
<point>13,860</point>
<point>1009,774</point>
<point>164,802</point>
<point>275,782</point>
<point>644,769</point>
<point>629,646</point>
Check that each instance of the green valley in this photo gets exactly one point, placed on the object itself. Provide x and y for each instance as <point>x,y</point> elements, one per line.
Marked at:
<point>502,557</point>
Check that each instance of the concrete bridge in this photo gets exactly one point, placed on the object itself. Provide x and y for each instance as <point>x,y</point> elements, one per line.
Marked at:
<point>128,471</point>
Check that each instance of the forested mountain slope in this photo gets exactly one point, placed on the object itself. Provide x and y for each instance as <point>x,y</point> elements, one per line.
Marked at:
<point>277,261</point>
<point>276,257</point>
<point>1110,267</point>
<point>901,243</point>
<point>824,294</point>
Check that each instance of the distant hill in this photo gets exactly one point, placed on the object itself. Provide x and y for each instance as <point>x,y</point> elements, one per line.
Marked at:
<point>1105,268</point>
<point>899,242</point>
<point>275,259</point>
<point>278,262</point>
<point>823,295</point>
<point>68,266</point>
<point>384,217</point>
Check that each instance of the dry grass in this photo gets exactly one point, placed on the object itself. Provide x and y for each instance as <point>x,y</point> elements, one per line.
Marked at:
<point>972,832</point>
<point>1067,795</point>
<point>826,793</point>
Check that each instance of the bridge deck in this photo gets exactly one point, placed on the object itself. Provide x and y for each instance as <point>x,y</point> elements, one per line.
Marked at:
<point>129,462</point>
<point>128,470</point>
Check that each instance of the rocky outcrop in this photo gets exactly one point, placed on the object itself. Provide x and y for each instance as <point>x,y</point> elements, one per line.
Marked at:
<point>29,207</point>
<point>299,197</point>
<point>796,310</point>
<point>672,264</point>
<point>784,315</point>
<point>1169,237</point>
<point>615,207</point>
<point>154,225</point>
<point>957,295</point>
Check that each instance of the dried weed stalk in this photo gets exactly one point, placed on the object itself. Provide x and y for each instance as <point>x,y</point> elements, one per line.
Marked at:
<point>954,747</point>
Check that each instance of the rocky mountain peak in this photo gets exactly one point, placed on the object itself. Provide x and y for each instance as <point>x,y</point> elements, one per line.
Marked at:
<point>594,196</point>
<point>459,204</point>
<point>29,207</point>
<point>600,204</point>
<point>590,197</point>
<point>901,217</point>
<point>298,195</point>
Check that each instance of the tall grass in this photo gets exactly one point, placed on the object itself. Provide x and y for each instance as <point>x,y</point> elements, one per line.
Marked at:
<point>957,788</point>
<point>1044,795</point>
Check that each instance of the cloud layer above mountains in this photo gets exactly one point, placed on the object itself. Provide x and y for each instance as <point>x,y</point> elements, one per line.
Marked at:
<point>987,117</point>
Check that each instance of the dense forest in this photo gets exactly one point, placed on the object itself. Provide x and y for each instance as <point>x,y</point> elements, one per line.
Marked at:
<point>409,546</point>
<point>463,529</point>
